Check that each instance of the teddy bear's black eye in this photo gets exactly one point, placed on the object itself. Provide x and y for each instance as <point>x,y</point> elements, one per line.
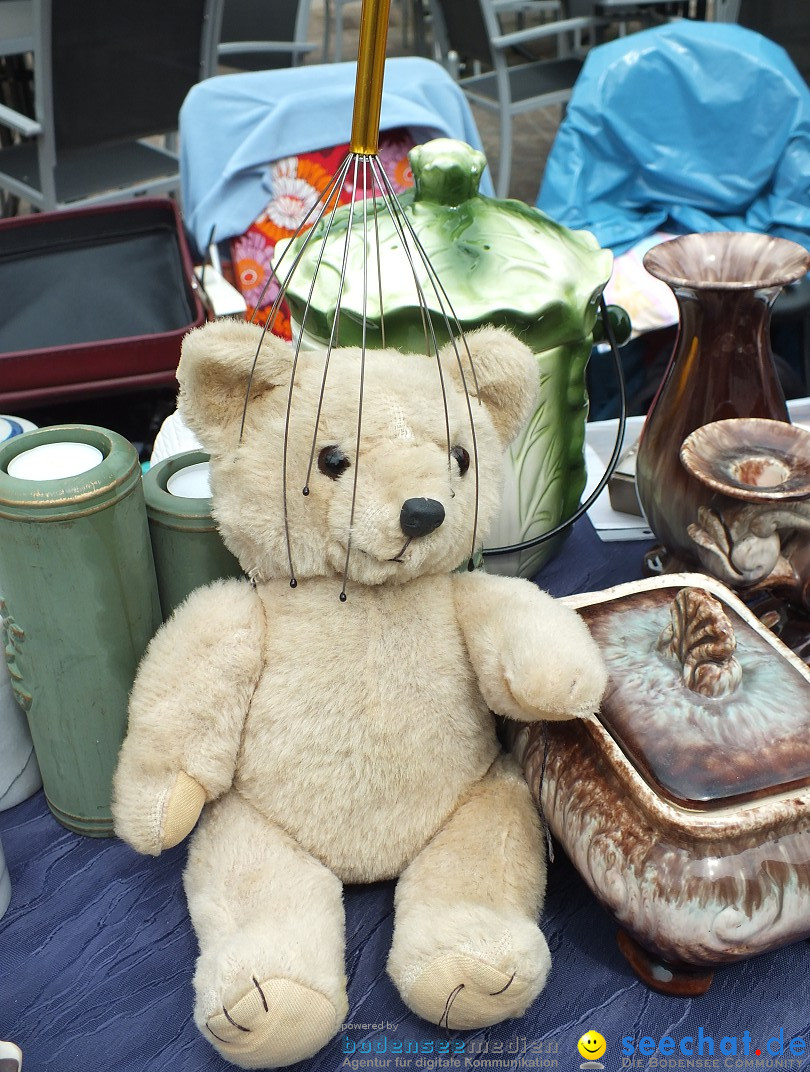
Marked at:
<point>332,462</point>
<point>462,457</point>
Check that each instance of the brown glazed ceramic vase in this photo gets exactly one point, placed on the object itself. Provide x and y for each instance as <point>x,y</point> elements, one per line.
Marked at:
<point>722,367</point>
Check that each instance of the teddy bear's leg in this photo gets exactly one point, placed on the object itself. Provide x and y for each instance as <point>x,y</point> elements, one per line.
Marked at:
<point>270,980</point>
<point>467,951</point>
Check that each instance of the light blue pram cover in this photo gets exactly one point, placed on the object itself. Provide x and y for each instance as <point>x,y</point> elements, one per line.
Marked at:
<point>233,126</point>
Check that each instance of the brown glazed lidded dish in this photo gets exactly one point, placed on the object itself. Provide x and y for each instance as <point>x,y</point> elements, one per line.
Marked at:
<point>685,804</point>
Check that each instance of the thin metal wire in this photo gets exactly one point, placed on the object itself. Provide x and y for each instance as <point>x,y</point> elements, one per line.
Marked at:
<point>284,478</point>
<point>444,304</point>
<point>302,229</point>
<point>379,262</point>
<point>431,342</point>
<point>294,368</point>
<point>404,230</point>
<point>322,204</point>
<point>446,311</point>
<point>437,284</point>
<point>362,380</point>
<point>334,332</point>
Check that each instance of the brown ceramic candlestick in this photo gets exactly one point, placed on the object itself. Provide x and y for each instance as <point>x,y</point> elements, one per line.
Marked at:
<point>753,534</point>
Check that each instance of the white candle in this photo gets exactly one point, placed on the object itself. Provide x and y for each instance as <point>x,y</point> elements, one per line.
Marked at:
<point>54,461</point>
<point>193,482</point>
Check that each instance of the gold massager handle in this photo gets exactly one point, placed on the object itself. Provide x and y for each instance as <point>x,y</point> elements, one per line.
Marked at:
<point>370,71</point>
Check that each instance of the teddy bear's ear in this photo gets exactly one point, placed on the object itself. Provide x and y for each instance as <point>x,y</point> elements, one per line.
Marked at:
<point>215,369</point>
<point>506,378</point>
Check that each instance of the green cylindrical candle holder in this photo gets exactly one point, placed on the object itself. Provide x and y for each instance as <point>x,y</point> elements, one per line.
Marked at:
<point>186,543</point>
<point>81,604</point>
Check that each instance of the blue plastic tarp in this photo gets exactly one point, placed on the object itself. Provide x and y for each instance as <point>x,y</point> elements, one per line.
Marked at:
<point>690,126</point>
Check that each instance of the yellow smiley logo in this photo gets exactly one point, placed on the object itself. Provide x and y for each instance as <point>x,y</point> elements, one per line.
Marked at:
<point>592,1046</point>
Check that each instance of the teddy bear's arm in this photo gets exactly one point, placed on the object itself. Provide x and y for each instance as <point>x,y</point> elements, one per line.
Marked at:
<point>534,657</point>
<point>186,713</point>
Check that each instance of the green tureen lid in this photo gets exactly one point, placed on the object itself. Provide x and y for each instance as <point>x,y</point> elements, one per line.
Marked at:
<point>499,261</point>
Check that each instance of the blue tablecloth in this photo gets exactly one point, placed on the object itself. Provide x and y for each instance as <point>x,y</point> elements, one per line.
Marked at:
<point>96,956</point>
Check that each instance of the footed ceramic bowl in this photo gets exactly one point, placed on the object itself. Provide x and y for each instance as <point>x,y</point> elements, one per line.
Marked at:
<point>685,803</point>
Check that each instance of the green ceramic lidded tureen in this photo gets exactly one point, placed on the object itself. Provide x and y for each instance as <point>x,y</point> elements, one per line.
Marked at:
<point>499,262</point>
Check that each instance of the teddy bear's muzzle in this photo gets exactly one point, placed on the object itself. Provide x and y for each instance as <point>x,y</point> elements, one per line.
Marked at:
<point>421,516</point>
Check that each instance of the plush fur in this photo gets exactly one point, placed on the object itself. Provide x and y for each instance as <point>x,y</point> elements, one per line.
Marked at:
<point>352,741</point>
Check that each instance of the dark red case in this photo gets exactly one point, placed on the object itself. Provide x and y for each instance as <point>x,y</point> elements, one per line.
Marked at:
<point>93,301</point>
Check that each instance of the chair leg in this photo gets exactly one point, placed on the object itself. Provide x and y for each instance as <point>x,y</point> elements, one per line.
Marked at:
<point>327,28</point>
<point>505,147</point>
<point>406,29</point>
<point>418,16</point>
<point>338,30</point>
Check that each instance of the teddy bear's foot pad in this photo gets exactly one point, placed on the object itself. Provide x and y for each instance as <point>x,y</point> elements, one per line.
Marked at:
<point>277,1023</point>
<point>459,991</point>
<point>466,966</point>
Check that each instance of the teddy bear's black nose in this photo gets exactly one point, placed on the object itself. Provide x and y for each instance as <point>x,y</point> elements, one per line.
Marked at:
<point>418,517</point>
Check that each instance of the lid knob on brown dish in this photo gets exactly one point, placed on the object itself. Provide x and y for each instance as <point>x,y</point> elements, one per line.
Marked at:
<point>701,638</point>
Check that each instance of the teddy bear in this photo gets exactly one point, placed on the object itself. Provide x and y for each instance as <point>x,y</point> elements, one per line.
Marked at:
<point>329,718</point>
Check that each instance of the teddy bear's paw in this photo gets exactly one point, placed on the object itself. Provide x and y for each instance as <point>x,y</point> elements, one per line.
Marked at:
<point>154,811</point>
<point>490,975</point>
<point>182,809</point>
<point>568,692</point>
<point>276,1023</point>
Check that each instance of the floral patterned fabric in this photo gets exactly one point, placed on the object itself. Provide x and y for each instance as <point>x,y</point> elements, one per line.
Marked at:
<point>298,183</point>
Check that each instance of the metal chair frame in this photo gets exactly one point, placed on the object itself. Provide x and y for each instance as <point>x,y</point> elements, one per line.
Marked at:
<point>512,89</point>
<point>35,170</point>
<point>230,51</point>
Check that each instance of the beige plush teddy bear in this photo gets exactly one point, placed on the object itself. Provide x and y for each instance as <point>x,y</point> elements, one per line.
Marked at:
<point>333,714</point>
